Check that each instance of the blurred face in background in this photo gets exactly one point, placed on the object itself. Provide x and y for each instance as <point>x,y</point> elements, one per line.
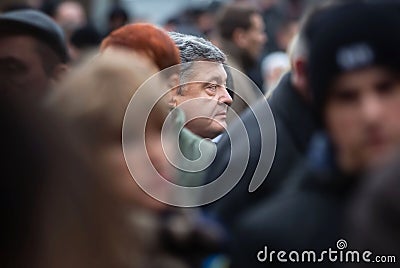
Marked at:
<point>70,15</point>
<point>254,39</point>
<point>204,99</point>
<point>21,67</point>
<point>362,117</point>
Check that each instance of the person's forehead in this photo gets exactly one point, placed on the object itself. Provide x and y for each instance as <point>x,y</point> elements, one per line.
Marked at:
<point>256,20</point>
<point>207,70</point>
<point>357,79</point>
<point>18,39</point>
<point>17,45</point>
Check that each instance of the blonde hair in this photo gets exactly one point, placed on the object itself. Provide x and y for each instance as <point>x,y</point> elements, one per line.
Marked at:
<point>94,97</point>
<point>92,102</point>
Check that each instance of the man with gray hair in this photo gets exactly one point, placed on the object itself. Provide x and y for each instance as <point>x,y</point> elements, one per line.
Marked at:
<point>202,92</point>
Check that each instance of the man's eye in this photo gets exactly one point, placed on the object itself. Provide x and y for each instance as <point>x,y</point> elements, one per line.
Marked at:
<point>212,87</point>
<point>385,87</point>
<point>345,96</point>
<point>12,67</point>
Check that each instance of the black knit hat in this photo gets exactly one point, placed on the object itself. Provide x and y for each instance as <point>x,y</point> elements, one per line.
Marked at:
<point>351,37</point>
<point>37,24</point>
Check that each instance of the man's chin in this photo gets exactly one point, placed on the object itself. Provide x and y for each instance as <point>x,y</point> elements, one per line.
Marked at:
<point>221,127</point>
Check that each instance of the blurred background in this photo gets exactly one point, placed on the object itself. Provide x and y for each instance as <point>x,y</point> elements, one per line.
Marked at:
<point>87,22</point>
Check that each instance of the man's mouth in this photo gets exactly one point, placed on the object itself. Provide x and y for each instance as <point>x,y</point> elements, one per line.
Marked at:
<point>223,113</point>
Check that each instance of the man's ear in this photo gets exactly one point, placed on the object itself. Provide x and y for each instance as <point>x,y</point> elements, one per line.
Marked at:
<point>239,37</point>
<point>300,76</point>
<point>59,72</point>
<point>173,97</point>
<point>173,85</point>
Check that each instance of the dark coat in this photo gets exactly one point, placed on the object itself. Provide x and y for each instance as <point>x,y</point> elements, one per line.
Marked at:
<point>294,127</point>
<point>310,216</point>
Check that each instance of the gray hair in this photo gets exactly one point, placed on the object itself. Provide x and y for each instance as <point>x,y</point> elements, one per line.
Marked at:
<point>194,48</point>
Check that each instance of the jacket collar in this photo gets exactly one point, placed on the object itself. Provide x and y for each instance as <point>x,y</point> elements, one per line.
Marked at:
<point>290,107</point>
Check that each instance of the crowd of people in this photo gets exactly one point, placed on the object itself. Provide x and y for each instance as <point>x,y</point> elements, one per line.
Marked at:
<point>116,141</point>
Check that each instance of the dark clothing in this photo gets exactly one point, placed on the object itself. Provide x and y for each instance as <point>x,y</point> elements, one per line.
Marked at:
<point>294,127</point>
<point>309,217</point>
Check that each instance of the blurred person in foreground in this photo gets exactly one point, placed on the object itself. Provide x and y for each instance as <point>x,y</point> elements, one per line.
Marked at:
<point>33,53</point>
<point>373,217</point>
<point>69,200</point>
<point>47,184</point>
<point>93,102</point>
<point>241,31</point>
<point>202,91</point>
<point>354,80</point>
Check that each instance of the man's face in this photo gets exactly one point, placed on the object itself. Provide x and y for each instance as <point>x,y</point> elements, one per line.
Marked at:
<point>21,67</point>
<point>362,117</point>
<point>255,37</point>
<point>205,99</point>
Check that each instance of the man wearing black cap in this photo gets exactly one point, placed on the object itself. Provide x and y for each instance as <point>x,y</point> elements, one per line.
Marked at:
<point>32,52</point>
<point>354,67</point>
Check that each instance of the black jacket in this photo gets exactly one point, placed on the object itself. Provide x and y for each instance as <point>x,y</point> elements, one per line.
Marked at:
<point>310,216</point>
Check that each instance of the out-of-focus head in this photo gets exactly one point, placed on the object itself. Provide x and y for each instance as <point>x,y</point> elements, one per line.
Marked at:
<point>202,93</point>
<point>354,66</point>
<point>285,32</point>
<point>82,41</point>
<point>273,67</point>
<point>93,101</point>
<point>244,26</point>
<point>298,49</point>
<point>147,39</point>
<point>33,52</point>
<point>117,18</point>
<point>70,15</point>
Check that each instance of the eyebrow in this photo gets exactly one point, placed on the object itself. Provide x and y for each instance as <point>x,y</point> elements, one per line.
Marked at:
<point>10,59</point>
<point>215,78</point>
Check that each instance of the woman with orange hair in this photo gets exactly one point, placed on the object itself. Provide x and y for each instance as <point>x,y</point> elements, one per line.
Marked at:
<point>147,39</point>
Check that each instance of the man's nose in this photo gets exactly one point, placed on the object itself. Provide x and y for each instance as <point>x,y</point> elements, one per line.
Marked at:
<point>225,97</point>
<point>372,108</point>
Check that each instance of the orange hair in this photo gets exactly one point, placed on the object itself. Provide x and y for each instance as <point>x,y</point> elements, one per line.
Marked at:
<point>147,38</point>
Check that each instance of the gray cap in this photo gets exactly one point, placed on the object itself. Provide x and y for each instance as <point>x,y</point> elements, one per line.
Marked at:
<point>37,24</point>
